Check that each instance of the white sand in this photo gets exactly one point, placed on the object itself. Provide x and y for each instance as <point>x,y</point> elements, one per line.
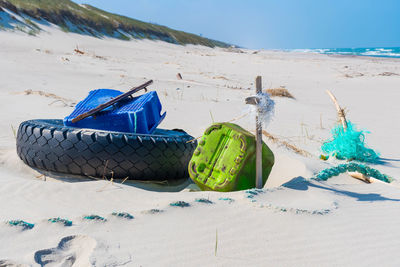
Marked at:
<point>303,223</point>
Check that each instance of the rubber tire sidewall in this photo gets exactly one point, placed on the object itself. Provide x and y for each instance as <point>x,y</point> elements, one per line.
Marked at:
<point>50,146</point>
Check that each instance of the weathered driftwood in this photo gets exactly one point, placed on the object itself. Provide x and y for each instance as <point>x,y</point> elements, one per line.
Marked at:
<point>112,102</point>
<point>361,177</point>
<point>340,111</point>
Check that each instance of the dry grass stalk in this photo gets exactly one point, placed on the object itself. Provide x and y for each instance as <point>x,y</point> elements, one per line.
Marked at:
<point>76,50</point>
<point>62,101</point>
<point>111,182</point>
<point>240,117</point>
<point>42,176</point>
<point>66,101</point>
<point>232,120</point>
<point>194,139</point>
<point>220,77</point>
<point>212,117</point>
<point>14,131</point>
<point>386,73</point>
<point>104,171</point>
<point>287,145</point>
<point>80,52</point>
<point>123,181</point>
<point>279,92</point>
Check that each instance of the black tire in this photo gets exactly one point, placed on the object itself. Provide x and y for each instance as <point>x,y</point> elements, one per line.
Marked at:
<point>49,145</point>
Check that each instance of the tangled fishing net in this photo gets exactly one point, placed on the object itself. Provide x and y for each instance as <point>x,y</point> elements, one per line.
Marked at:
<point>349,145</point>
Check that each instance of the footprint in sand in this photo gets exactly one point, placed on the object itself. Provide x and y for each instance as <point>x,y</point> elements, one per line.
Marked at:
<point>71,251</point>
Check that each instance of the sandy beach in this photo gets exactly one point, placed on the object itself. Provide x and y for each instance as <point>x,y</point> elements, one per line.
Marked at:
<point>293,221</point>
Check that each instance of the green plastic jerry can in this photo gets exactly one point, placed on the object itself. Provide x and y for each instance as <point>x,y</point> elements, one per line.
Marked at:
<point>225,159</point>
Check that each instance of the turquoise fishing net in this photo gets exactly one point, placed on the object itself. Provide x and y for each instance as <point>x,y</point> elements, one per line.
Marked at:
<point>349,145</point>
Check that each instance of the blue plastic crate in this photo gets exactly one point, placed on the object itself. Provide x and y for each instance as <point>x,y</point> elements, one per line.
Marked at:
<point>140,114</point>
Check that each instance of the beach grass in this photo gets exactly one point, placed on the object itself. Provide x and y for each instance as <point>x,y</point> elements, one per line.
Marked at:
<point>90,20</point>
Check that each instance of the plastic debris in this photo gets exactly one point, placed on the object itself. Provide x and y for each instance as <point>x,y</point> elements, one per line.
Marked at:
<point>23,224</point>
<point>225,159</point>
<point>264,108</point>
<point>349,145</point>
<point>65,222</point>
<point>141,114</point>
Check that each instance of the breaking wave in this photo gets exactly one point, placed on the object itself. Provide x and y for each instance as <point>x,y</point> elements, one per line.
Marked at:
<point>393,52</point>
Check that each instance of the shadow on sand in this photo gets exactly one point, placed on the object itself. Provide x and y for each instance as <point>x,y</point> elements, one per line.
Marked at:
<point>386,162</point>
<point>299,183</point>
<point>156,186</point>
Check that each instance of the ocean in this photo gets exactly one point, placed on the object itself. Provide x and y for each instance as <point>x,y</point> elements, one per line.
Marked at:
<point>393,52</point>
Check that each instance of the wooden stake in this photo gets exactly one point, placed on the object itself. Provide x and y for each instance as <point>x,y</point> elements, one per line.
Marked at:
<point>259,181</point>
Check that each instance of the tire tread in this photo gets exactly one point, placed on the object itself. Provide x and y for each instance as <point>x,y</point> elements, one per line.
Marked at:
<point>88,152</point>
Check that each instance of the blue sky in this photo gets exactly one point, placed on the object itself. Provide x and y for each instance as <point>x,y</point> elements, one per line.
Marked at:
<point>273,23</point>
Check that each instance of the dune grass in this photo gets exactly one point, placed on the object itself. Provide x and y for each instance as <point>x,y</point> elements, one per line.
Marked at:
<point>90,20</point>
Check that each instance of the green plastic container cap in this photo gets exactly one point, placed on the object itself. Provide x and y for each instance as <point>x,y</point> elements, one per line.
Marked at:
<point>225,159</point>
